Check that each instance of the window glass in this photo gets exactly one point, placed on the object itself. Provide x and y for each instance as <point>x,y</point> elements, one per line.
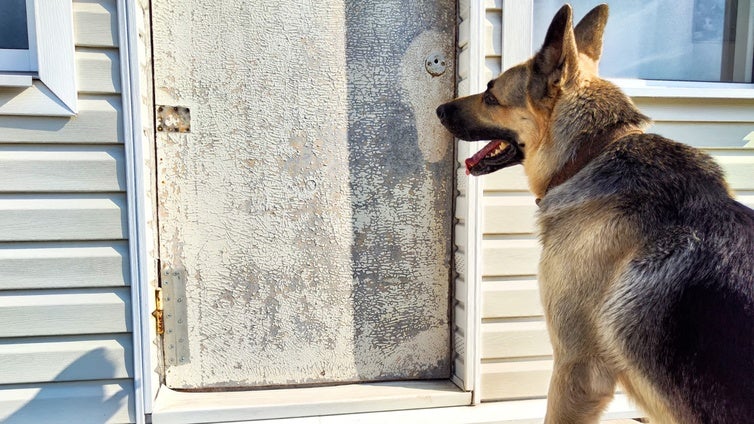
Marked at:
<point>13,30</point>
<point>687,40</point>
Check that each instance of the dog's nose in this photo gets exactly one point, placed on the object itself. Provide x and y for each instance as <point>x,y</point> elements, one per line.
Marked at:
<point>441,111</point>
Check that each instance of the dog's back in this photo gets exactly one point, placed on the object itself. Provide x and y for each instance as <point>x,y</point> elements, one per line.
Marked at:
<point>681,313</point>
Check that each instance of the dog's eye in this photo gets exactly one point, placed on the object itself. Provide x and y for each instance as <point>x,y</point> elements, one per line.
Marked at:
<point>490,100</point>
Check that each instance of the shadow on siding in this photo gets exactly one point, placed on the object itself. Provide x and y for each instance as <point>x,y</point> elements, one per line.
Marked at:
<point>78,401</point>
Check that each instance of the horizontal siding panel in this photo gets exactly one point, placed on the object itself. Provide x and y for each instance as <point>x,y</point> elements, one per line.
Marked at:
<point>459,342</point>
<point>48,217</point>
<point>493,43</point>
<point>510,257</point>
<point>464,150</point>
<point>463,63</point>
<point>463,40</point>
<point>459,370</point>
<point>464,87</point>
<point>95,23</point>
<point>461,236</point>
<point>81,402</point>
<point>705,134</point>
<point>510,299</point>
<point>61,312</point>
<point>464,7</point>
<point>459,317</point>
<point>462,181</point>
<point>461,207</point>
<point>509,214</point>
<point>518,380</point>
<point>48,359</point>
<point>738,166</point>
<point>515,339</point>
<point>459,261</point>
<point>98,121</point>
<point>507,179</point>
<point>697,110</point>
<point>492,67</point>
<point>63,265</point>
<point>746,199</point>
<point>97,71</point>
<point>55,168</point>
<point>461,289</point>
<point>515,380</point>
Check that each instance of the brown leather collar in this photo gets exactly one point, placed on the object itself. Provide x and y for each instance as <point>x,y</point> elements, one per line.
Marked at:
<point>585,154</point>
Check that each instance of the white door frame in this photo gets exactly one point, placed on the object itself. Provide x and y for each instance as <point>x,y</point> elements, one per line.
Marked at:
<point>138,135</point>
<point>136,77</point>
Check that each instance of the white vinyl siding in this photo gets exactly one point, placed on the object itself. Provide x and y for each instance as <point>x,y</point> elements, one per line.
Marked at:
<point>65,296</point>
<point>724,128</point>
<point>516,356</point>
<point>493,46</point>
<point>515,362</point>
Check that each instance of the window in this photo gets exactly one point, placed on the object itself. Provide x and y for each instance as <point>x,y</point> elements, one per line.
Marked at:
<point>688,40</point>
<point>37,75</point>
<point>17,37</point>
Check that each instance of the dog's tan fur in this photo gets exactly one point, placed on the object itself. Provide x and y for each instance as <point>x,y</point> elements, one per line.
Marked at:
<point>594,241</point>
<point>588,361</point>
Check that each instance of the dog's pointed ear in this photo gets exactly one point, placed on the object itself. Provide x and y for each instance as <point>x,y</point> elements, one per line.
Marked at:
<point>589,32</point>
<point>557,60</point>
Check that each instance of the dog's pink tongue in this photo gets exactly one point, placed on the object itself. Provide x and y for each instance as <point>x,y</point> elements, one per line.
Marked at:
<point>470,162</point>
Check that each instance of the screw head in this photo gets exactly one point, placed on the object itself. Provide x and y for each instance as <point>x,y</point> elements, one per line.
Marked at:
<point>435,64</point>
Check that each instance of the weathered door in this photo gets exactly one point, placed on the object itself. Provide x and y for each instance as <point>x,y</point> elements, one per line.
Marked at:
<point>305,218</point>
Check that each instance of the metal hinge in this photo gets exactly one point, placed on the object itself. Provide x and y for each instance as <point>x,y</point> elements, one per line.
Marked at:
<point>174,315</point>
<point>158,311</point>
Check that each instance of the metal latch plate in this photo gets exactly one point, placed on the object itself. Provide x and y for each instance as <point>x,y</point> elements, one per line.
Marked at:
<point>173,119</point>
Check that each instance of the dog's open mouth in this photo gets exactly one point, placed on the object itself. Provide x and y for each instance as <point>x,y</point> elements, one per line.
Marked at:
<point>497,154</point>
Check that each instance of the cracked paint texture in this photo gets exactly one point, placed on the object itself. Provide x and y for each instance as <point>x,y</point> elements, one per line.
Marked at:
<point>311,203</point>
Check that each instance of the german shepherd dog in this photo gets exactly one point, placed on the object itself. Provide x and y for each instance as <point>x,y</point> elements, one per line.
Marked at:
<point>647,267</point>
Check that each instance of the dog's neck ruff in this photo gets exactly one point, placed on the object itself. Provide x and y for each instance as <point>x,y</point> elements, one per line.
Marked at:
<point>586,153</point>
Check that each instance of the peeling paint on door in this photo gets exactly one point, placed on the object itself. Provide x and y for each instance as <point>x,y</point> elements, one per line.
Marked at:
<point>310,204</point>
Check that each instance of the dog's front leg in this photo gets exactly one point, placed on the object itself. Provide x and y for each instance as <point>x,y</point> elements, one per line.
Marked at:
<point>580,389</point>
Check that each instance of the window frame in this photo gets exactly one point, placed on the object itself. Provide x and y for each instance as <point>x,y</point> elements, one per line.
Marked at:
<point>638,87</point>
<point>23,60</point>
<point>635,87</point>
<point>50,90</point>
